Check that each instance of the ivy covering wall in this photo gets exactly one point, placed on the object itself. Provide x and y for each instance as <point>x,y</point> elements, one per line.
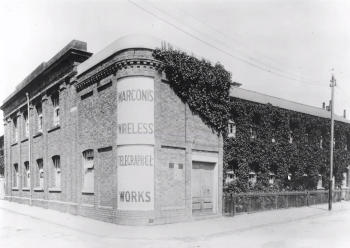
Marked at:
<point>296,165</point>
<point>303,159</point>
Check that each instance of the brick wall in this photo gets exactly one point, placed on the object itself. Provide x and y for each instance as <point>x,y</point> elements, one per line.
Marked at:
<point>88,118</point>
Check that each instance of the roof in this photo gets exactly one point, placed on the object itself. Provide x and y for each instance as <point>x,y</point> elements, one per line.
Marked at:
<point>126,42</point>
<point>254,96</point>
<point>73,45</point>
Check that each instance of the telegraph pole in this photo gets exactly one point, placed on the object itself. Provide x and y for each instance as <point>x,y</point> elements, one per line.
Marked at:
<point>330,198</point>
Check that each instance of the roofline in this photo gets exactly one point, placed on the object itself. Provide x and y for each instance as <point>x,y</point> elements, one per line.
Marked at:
<point>74,45</point>
<point>257,97</point>
<point>123,43</point>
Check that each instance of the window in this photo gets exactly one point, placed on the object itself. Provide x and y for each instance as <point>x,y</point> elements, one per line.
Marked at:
<point>272,177</point>
<point>15,176</point>
<point>56,182</point>
<point>40,174</point>
<point>230,177</point>
<point>56,109</point>
<point>15,130</point>
<point>39,112</point>
<point>26,178</point>
<point>290,140</point>
<point>26,124</point>
<point>88,167</point>
<point>231,129</point>
<point>319,182</point>
<point>252,178</point>
<point>253,133</point>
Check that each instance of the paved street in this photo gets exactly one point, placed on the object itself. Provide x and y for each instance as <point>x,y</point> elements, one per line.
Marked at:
<point>21,225</point>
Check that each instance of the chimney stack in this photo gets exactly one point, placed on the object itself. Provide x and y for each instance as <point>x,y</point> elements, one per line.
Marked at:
<point>344,114</point>
<point>323,105</point>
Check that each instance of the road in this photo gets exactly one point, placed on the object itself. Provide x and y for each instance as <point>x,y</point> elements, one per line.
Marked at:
<point>24,226</point>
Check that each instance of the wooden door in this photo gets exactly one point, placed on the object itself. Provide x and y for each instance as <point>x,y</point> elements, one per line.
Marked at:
<point>202,187</point>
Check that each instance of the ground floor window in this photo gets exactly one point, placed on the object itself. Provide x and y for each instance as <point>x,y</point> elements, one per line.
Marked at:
<point>15,178</point>
<point>88,171</point>
<point>40,173</point>
<point>56,171</point>
<point>26,178</point>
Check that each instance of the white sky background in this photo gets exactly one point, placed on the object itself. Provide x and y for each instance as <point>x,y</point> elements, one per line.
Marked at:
<point>284,48</point>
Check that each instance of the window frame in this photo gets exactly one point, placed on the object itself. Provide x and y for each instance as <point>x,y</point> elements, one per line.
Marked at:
<point>232,129</point>
<point>40,171</point>
<point>55,98</point>
<point>57,175</point>
<point>27,176</point>
<point>88,167</point>
<point>15,176</point>
<point>39,111</point>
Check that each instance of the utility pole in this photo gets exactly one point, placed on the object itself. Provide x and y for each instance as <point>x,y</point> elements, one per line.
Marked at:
<point>29,150</point>
<point>330,198</point>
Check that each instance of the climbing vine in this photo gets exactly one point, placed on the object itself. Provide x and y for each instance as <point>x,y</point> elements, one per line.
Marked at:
<point>203,86</point>
<point>292,146</point>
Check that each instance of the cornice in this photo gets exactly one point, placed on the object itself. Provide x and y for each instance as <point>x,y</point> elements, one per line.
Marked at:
<point>116,66</point>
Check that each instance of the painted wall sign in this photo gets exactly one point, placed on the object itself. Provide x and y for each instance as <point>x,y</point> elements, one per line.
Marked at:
<point>135,111</point>
<point>135,143</point>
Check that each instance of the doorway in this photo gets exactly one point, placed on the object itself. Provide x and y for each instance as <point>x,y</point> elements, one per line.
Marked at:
<point>202,188</point>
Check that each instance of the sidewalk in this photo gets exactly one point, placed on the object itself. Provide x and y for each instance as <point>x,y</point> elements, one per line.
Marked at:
<point>188,231</point>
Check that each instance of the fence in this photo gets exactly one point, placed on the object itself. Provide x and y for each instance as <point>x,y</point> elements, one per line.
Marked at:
<point>252,202</point>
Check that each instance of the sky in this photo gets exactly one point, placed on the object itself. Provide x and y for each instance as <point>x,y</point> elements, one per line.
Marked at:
<point>283,48</point>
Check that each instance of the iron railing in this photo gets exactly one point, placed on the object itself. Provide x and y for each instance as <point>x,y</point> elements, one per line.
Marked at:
<point>253,202</point>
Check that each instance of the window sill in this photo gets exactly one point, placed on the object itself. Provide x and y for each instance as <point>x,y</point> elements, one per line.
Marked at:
<point>55,190</point>
<point>54,128</point>
<point>38,189</point>
<point>38,134</point>
<point>14,144</point>
<point>14,188</point>
<point>24,140</point>
<point>25,189</point>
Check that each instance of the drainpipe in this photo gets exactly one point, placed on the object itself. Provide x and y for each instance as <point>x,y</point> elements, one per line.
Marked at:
<point>29,151</point>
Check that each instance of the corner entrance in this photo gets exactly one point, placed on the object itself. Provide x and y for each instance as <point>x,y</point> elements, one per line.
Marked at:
<point>202,188</point>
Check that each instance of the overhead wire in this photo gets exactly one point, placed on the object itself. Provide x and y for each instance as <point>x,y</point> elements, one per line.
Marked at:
<point>220,49</point>
<point>249,57</point>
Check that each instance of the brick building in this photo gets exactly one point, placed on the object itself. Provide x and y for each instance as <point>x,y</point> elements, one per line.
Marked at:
<point>104,136</point>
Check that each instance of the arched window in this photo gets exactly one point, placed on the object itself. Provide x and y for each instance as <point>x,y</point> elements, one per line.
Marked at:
<point>26,177</point>
<point>56,168</point>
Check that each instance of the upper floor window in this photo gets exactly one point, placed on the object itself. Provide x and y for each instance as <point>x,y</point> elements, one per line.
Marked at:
<point>26,124</point>
<point>26,178</point>
<point>290,138</point>
<point>253,133</point>
<point>231,129</point>
<point>88,167</point>
<point>39,111</point>
<point>56,182</point>
<point>56,108</point>
<point>15,129</point>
